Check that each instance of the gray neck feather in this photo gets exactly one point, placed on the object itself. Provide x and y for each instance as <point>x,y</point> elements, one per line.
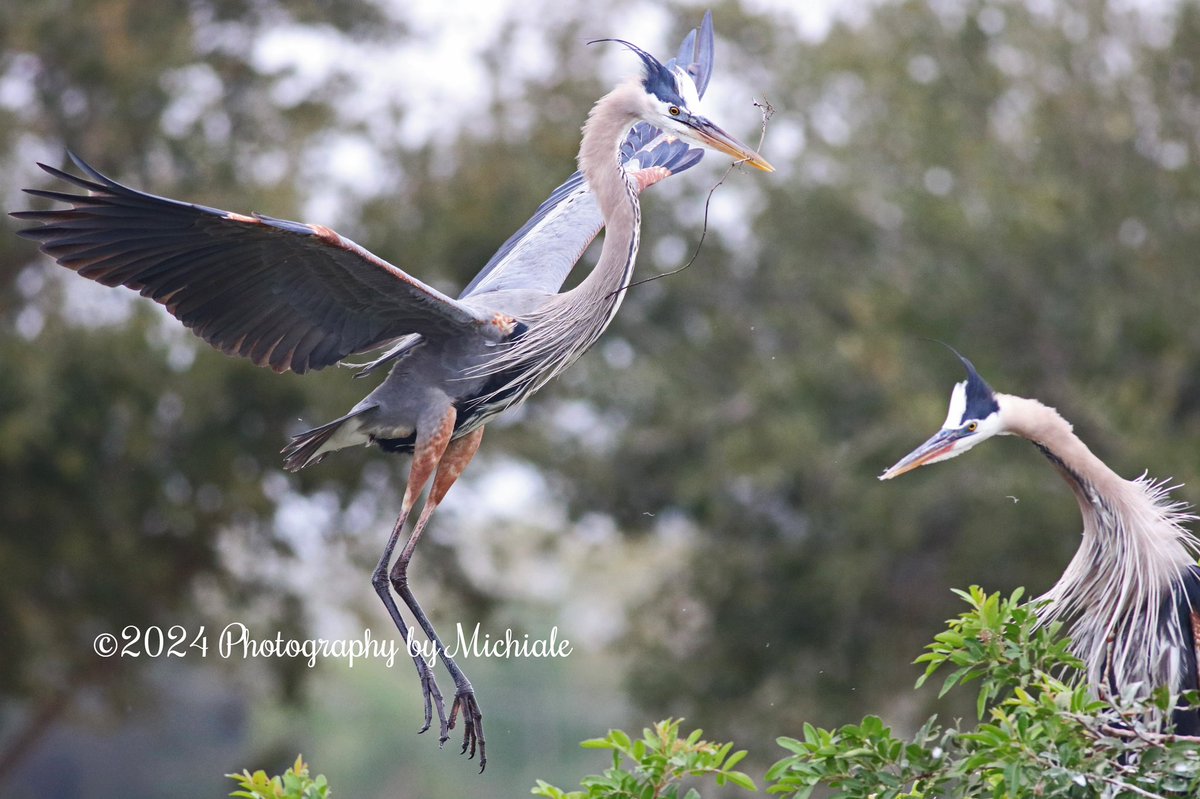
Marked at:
<point>569,323</point>
<point>1121,588</point>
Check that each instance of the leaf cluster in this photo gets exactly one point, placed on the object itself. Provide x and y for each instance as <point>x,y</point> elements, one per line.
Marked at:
<point>659,762</point>
<point>1041,732</point>
<point>296,783</point>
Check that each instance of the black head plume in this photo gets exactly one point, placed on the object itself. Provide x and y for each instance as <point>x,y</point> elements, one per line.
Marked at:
<point>981,399</point>
<point>659,80</point>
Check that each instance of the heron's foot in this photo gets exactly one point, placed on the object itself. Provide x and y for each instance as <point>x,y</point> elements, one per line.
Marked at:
<point>465,702</point>
<point>433,699</point>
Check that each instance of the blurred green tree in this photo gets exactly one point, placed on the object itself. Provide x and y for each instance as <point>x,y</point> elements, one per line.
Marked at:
<point>1016,178</point>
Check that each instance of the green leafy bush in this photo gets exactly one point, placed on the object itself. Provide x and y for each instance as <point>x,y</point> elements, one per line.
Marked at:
<point>1041,733</point>
<point>659,761</point>
<point>294,784</point>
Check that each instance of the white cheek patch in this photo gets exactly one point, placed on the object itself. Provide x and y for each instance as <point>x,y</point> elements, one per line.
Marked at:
<point>990,426</point>
<point>958,406</point>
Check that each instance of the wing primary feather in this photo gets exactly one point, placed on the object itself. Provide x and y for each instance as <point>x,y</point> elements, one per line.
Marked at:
<point>279,291</point>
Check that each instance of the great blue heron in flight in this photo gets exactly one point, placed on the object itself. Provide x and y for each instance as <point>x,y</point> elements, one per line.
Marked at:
<point>295,297</point>
<point>1132,591</point>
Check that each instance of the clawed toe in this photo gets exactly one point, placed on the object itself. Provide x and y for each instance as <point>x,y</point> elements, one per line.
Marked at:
<point>472,726</point>
<point>433,699</point>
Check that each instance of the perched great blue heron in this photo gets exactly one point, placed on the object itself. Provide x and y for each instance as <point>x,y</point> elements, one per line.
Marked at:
<point>1132,591</point>
<point>296,297</point>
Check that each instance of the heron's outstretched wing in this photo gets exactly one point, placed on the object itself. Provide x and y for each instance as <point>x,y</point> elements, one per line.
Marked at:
<point>541,254</point>
<point>283,294</point>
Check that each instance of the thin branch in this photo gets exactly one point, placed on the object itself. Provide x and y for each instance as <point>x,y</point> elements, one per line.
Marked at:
<point>1125,786</point>
<point>1115,782</point>
<point>1153,738</point>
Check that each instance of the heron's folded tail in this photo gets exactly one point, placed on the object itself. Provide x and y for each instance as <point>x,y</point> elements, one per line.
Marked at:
<point>313,445</point>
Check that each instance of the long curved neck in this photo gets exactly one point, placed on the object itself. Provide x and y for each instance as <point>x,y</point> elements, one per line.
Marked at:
<point>569,323</point>
<point>1131,563</point>
<point>1086,474</point>
<point>573,320</point>
<point>615,193</point>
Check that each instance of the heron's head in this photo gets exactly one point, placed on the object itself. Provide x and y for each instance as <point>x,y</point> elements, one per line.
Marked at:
<point>666,97</point>
<point>974,416</point>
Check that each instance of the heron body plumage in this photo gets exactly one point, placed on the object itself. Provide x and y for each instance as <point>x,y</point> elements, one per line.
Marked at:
<point>1131,593</point>
<point>551,330</point>
<point>473,374</point>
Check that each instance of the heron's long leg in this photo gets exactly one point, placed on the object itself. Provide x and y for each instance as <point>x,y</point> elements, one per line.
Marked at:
<point>429,687</point>
<point>457,455</point>
<point>427,453</point>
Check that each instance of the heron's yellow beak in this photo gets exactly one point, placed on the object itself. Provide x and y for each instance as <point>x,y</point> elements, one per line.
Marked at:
<point>708,133</point>
<point>940,447</point>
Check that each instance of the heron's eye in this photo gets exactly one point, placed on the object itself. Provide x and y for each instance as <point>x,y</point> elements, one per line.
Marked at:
<point>972,427</point>
<point>674,111</point>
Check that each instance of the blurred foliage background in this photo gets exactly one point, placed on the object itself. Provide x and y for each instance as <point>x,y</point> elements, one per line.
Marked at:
<point>694,505</point>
